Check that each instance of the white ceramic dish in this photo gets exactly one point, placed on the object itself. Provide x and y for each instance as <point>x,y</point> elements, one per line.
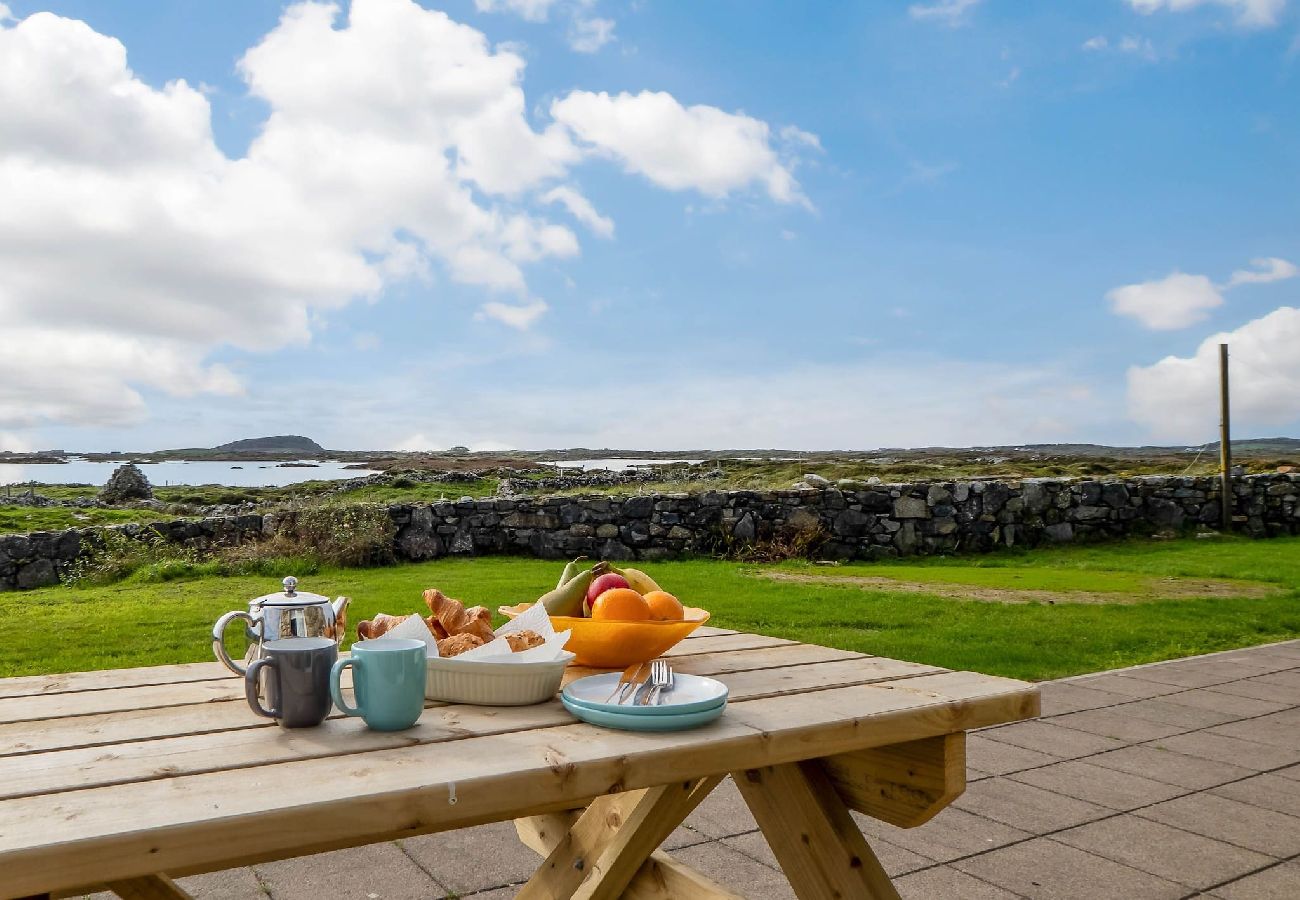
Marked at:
<point>491,683</point>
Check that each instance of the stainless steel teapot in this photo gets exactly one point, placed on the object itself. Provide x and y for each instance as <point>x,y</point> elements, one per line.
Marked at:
<point>284,614</point>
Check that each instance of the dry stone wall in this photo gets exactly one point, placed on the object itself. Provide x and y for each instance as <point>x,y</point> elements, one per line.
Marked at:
<point>875,522</point>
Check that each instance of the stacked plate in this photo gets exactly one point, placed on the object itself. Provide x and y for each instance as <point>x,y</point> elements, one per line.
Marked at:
<point>693,701</point>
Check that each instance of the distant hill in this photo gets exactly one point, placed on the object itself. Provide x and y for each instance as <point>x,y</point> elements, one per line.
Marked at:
<point>284,443</point>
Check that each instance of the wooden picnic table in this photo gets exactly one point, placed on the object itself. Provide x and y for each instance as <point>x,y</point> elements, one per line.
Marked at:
<point>129,778</point>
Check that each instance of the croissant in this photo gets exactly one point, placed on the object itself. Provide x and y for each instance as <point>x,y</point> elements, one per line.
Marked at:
<point>523,640</point>
<point>458,644</point>
<point>456,619</point>
<point>380,624</point>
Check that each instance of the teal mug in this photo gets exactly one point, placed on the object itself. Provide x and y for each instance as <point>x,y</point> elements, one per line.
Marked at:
<point>387,680</point>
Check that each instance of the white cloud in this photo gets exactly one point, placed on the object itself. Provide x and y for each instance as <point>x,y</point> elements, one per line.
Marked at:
<point>531,10</point>
<point>1267,270</point>
<point>1099,42</point>
<point>521,316</point>
<point>366,341</point>
<point>797,137</point>
<point>1250,13</point>
<point>1177,397</point>
<point>395,140</point>
<point>588,35</point>
<point>5,14</point>
<point>581,209</point>
<point>945,12</point>
<point>678,147</point>
<point>1175,301</point>
<point>1140,47</point>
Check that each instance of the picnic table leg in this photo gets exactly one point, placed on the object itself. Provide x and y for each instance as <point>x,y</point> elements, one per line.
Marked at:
<point>820,847</point>
<point>149,887</point>
<point>608,850</point>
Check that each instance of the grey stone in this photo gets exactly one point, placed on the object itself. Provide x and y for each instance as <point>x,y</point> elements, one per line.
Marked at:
<point>816,481</point>
<point>1061,532</point>
<point>39,573</point>
<point>911,508</point>
<point>745,529</point>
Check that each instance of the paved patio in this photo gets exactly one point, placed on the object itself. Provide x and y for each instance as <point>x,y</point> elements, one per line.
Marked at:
<point>1178,779</point>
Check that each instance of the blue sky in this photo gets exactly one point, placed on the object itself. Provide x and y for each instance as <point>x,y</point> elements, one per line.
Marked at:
<point>984,205</point>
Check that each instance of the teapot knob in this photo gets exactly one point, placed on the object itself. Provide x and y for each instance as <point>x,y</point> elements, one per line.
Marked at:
<point>290,585</point>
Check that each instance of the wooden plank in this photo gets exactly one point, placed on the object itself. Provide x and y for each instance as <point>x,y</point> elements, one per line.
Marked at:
<point>149,887</point>
<point>603,850</point>
<point>101,679</point>
<point>716,643</point>
<point>663,878</point>
<point>42,685</point>
<point>902,784</point>
<point>660,877</point>
<point>231,688</point>
<point>257,745</point>
<point>819,846</point>
<point>709,631</point>
<point>83,703</point>
<point>225,818</point>
<point>146,724</point>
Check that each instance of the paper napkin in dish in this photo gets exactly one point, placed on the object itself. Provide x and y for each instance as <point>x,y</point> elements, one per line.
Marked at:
<point>498,650</point>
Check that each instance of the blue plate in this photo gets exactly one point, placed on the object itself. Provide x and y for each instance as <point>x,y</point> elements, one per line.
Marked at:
<point>690,694</point>
<point>626,722</point>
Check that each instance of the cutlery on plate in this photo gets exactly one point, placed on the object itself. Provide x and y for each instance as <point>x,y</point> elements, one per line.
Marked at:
<point>631,678</point>
<point>661,676</point>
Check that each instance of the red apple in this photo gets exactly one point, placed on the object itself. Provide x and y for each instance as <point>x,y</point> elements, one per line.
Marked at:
<point>603,583</point>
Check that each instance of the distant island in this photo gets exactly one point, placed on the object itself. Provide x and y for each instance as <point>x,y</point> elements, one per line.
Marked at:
<point>283,443</point>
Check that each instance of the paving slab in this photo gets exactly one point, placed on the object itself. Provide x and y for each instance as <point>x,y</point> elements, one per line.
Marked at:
<point>376,872</point>
<point>1266,791</point>
<point>1252,827</point>
<point>1172,768</point>
<point>1232,750</point>
<point>1229,705</point>
<point>1165,710</point>
<point>1158,849</point>
<point>1279,729</point>
<point>473,859</point>
<point>1047,869</point>
<point>998,758</point>
<point>723,813</point>
<point>1259,689</point>
<point>1097,784</point>
<point>1052,739</point>
<point>1281,882</point>
<point>736,871</point>
<point>1203,672</point>
<point>946,883</point>
<point>1128,684</point>
<point>950,835</point>
<point>895,859</point>
<point>1025,806</point>
<point>1067,696</point>
<point>1115,723</point>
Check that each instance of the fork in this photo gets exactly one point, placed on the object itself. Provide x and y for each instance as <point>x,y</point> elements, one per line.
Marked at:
<point>661,676</point>
<point>631,678</point>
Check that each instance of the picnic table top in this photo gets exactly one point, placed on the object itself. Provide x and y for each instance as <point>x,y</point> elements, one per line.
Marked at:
<point>115,774</point>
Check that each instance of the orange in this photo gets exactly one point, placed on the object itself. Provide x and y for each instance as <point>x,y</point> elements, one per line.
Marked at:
<point>664,606</point>
<point>622,604</point>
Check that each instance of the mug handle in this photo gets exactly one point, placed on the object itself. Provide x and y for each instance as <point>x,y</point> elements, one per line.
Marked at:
<point>250,686</point>
<point>336,688</point>
<point>218,637</point>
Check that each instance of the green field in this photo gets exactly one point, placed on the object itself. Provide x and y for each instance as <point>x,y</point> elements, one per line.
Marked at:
<point>135,623</point>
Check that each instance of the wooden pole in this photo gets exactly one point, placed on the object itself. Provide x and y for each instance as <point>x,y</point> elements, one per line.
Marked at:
<point>1225,441</point>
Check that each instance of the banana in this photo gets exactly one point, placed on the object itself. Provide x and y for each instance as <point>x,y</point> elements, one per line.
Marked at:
<point>567,599</point>
<point>638,580</point>
<point>569,571</point>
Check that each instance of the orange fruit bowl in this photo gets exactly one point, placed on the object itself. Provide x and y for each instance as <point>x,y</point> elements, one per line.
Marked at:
<point>614,644</point>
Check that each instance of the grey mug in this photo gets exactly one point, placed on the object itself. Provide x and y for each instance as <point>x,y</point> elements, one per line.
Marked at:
<point>297,681</point>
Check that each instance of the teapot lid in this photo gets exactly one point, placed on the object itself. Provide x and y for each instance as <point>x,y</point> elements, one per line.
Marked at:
<point>290,596</point>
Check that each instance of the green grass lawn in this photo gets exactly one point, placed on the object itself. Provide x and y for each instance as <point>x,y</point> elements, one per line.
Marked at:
<point>19,519</point>
<point>133,623</point>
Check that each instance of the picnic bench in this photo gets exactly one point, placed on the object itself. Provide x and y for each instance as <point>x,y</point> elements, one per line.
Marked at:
<point>127,779</point>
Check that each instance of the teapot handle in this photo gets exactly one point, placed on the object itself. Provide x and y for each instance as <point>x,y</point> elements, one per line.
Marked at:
<point>218,638</point>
